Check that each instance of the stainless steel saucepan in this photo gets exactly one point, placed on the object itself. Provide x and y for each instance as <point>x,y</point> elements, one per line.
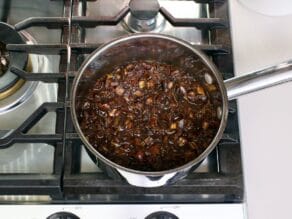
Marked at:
<point>171,50</point>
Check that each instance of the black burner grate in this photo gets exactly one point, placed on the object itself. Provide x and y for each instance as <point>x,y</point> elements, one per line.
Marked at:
<point>223,182</point>
<point>49,184</point>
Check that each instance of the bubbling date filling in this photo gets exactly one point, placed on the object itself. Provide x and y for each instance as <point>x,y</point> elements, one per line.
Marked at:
<point>150,116</point>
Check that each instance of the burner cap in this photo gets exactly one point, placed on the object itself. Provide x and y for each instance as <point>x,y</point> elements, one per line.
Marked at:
<point>144,17</point>
<point>8,35</point>
<point>144,10</point>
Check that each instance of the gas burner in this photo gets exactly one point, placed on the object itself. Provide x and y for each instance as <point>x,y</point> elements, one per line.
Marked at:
<point>17,107</point>
<point>144,17</point>
<point>13,90</point>
<point>9,82</point>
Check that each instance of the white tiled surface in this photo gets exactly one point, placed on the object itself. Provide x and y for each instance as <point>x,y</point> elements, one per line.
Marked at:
<point>265,117</point>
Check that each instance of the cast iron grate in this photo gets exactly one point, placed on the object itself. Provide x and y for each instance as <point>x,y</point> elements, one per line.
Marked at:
<point>223,183</point>
<point>48,184</point>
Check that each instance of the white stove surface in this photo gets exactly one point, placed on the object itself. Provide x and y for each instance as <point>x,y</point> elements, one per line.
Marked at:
<point>265,117</point>
<point>199,211</point>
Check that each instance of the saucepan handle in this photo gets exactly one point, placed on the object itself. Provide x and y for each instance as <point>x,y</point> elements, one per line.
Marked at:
<point>258,80</point>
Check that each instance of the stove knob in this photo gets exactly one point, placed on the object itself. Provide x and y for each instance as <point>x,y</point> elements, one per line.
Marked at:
<point>161,215</point>
<point>63,215</point>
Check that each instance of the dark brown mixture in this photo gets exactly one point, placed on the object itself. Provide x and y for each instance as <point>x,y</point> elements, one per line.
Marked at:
<point>150,116</point>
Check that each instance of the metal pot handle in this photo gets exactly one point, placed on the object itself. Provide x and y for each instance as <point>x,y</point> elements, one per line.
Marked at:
<point>259,80</point>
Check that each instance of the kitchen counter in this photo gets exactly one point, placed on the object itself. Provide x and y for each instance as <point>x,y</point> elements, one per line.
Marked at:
<point>265,116</point>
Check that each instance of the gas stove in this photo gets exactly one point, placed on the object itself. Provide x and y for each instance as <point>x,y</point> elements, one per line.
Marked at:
<point>42,159</point>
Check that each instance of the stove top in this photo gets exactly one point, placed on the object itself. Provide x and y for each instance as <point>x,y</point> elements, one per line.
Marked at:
<point>41,157</point>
